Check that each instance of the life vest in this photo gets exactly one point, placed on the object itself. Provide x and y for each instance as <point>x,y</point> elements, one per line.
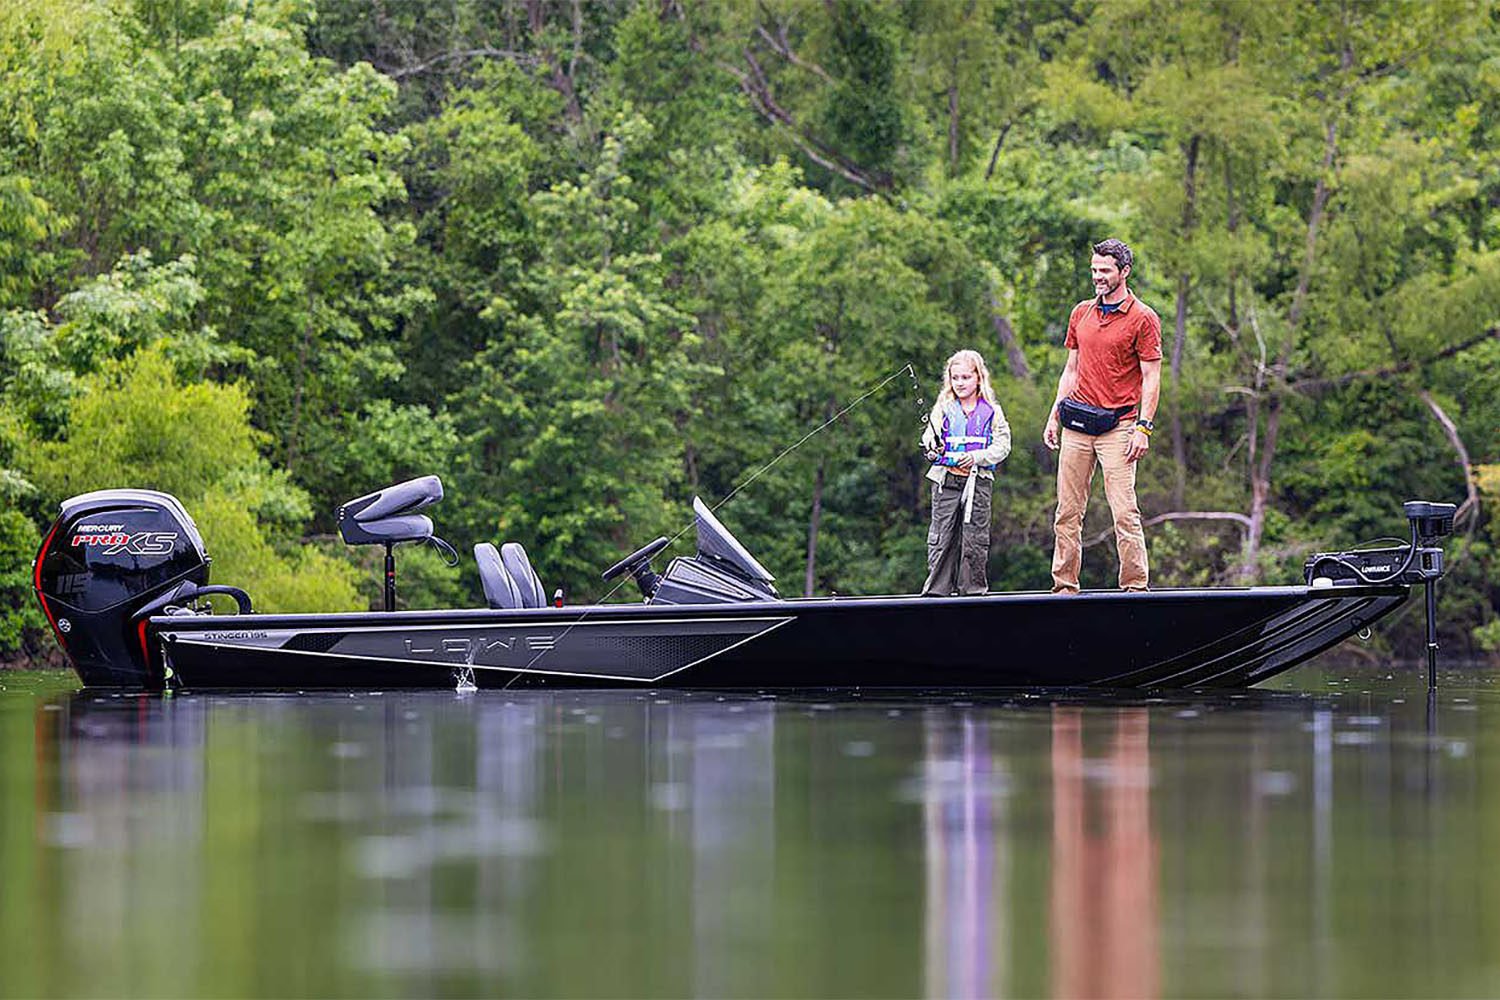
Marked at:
<point>965,432</point>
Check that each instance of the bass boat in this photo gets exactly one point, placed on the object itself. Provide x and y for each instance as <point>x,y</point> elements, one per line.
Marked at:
<point>122,578</point>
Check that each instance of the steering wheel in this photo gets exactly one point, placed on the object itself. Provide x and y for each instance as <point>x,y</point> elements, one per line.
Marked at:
<point>640,555</point>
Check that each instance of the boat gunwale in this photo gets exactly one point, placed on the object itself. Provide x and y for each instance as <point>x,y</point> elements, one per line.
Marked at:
<point>737,609</point>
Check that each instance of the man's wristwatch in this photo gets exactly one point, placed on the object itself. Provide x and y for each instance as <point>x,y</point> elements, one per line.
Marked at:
<point>1148,426</point>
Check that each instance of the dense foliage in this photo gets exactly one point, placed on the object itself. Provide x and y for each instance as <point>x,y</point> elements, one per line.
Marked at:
<point>587,259</point>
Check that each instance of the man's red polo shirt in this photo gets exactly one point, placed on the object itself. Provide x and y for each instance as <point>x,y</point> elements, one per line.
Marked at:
<point>1111,347</point>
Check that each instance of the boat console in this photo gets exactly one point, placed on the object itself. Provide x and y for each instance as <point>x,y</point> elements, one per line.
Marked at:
<point>722,572</point>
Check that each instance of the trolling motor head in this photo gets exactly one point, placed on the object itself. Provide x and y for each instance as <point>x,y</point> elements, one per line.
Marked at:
<point>1429,521</point>
<point>111,558</point>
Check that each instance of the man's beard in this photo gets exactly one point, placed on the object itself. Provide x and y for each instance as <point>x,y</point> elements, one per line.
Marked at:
<point>1110,289</point>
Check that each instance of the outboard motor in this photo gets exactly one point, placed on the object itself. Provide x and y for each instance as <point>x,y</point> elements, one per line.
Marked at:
<point>112,558</point>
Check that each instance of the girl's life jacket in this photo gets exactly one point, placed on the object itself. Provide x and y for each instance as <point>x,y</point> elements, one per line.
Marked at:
<point>951,433</point>
<point>965,432</point>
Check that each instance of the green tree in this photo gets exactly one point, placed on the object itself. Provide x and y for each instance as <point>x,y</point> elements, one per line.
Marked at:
<point>135,423</point>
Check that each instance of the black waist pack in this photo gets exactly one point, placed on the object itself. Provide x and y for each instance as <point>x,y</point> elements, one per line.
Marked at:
<point>1086,419</point>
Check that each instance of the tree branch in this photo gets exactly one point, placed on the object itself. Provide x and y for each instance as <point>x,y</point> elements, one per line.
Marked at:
<point>758,89</point>
<point>782,46</point>
<point>1317,385</point>
<point>1179,515</point>
<point>1471,504</point>
<point>401,72</point>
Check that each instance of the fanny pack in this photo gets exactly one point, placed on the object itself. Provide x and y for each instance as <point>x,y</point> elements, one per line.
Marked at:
<point>1086,419</point>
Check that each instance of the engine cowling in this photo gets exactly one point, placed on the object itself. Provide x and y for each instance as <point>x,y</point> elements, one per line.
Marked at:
<point>108,555</point>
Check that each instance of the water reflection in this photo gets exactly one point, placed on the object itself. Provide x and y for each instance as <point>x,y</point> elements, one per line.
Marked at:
<point>967,860</point>
<point>1105,915</point>
<point>672,844</point>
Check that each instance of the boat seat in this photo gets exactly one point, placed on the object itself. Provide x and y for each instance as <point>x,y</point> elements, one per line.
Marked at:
<point>528,585</point>
<point>400,528</point>
<point>500,590</point>
<point>390,515</point>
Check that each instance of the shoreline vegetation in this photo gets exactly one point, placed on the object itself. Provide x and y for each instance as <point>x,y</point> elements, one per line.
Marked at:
<point>586,260</point>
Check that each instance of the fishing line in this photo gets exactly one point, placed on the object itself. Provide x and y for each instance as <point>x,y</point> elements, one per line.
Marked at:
<point>904,369</point>
<point>765,468</point>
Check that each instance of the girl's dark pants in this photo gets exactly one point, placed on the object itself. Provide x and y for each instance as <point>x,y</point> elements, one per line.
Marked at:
<point>958,553</point>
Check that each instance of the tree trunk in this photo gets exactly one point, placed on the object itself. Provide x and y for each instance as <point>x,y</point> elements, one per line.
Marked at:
<point>1232,223</point>
<point>953,119</point>
<point>1470,507</point>
<point>1179,445</point>
<point>1253,531</point>
<point>1184,284</point>
<point>562,79</point>
<point>812,533</point>
<point>1260,484</point>
<point>690,460</point>
<point>995,153</point>
<point>1260,492</point>
<point>299,380</point>
<point>1015,358</point>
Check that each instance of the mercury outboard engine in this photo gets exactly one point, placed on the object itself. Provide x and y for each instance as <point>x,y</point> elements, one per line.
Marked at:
<point>112,558</point>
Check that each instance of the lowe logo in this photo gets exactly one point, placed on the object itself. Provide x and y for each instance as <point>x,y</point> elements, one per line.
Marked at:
<point>142,543</point>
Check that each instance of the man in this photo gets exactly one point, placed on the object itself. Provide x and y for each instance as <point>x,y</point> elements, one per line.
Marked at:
<point>1114,371</point>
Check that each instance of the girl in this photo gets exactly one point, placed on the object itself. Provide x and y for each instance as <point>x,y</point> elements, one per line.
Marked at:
<point>966,437</point>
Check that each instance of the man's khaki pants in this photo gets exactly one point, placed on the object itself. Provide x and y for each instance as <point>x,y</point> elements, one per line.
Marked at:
<point>1075,473</point>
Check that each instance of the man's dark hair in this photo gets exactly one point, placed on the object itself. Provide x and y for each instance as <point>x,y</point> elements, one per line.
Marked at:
<point>1116,249</point>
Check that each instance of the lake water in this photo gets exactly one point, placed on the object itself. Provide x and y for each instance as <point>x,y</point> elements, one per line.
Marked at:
<point>1335,836</point>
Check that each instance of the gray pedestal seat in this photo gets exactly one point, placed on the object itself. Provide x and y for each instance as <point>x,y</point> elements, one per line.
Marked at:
<point>390,515</point>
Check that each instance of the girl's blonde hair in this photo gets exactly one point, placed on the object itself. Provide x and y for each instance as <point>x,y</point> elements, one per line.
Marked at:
<point>976,361</point>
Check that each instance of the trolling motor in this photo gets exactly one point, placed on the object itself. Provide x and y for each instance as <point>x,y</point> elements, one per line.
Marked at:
<point>1420,561</point>
<point>388,517</point>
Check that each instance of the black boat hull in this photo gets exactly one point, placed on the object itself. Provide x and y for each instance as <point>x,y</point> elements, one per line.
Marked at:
<point>1162,639</point>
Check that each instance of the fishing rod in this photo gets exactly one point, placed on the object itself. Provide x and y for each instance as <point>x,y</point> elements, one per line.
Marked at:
<point>660,544</point>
